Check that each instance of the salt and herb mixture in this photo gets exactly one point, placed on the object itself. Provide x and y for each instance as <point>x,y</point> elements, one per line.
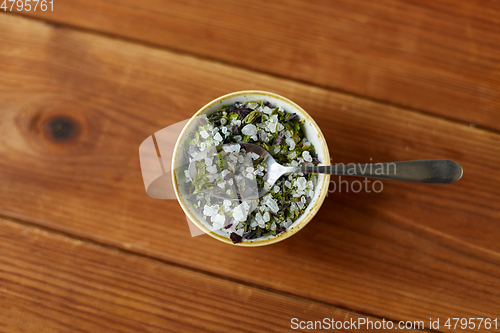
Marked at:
<point>234,170</point>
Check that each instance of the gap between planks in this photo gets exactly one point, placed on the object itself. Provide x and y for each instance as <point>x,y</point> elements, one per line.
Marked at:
<point>122,250</point>
<point>270,74</point>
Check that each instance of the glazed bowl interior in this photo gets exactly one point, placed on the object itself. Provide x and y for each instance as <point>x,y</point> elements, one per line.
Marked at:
<point>311,131</point>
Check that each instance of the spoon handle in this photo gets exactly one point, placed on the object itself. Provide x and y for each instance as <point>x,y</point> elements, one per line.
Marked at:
<point>423,171</point>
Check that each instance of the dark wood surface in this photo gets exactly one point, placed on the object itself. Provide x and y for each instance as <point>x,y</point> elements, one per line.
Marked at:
<point>85,249</point>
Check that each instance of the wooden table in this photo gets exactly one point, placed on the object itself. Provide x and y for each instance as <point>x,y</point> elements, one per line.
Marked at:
<point>84,249</point>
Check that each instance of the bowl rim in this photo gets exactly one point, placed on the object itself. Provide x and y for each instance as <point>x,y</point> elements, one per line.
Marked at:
<point>304,219</point>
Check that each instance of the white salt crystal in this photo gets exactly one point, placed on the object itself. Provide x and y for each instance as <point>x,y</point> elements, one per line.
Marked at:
<point>253,155</point>
<point>272,127</point>
<point>212,169</point>
<point>259,219</point>
<point>301,183</point>
<point>204,134</point>
<point>272,204</point>
<point>249,130</point>
<point>218,219</point>
<point>231,148</point>
<point>266,217</point>
<point>210,210</point>
<point>218,138</point>
<point>240,213</point>
<point>307,156</point>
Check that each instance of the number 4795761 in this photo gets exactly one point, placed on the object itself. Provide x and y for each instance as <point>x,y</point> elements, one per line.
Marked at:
<point>27,5</point>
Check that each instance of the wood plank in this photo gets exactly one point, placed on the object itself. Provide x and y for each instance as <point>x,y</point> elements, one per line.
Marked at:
<point>431,55</point>
<point>411,252</point>
<point>51,283</point>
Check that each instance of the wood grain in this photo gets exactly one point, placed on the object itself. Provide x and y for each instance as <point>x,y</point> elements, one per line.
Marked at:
<point>411,252</point>
<point>82,287</point>
<point>436,55</point>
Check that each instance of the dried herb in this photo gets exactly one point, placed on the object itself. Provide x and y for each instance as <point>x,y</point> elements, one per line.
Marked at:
<point>251,117</point>
<point>290,117</point>
<point>243,111</point>
<point>278,141</point>
<point>236,238</point>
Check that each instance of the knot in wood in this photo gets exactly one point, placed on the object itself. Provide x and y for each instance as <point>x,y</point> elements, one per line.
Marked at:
<point>61,128</point>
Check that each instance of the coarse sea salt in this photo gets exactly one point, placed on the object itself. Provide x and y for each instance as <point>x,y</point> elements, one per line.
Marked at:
<point>218,138</point>
<point>301,183</point>
<point>272,204</point>
<point>240,212</point>
<point>253,155</point>
<point>267,110</point>
<point>210,210</point>
<point>212,169</point>
<point>259,219</point>
<point>307,156</point>
<point>219,218</point>
<point>249,130</point>
<point>204,134</point>
<point>266,217</point>
<point>231,148</point>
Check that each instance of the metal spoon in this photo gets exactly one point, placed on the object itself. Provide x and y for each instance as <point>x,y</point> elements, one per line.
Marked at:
<point>420,171</point>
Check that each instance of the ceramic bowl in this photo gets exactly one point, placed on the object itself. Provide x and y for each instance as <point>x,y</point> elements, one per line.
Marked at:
<point>313,134</point>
